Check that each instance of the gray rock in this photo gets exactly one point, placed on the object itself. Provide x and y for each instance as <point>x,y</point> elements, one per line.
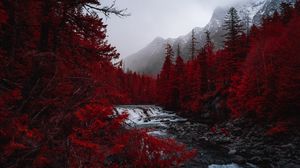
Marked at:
<point>255,159</point>
<point>232,152</point>
<point>238,159</point>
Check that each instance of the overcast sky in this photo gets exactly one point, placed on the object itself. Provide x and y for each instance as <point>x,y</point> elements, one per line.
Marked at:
<point>152,18</point>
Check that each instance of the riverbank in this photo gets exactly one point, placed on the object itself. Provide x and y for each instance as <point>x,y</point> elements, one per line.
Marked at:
<point>242,141</point>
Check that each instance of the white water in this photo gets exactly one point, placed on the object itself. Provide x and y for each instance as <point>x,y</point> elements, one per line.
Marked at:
<point>224,166</point>
<point>149,116</point>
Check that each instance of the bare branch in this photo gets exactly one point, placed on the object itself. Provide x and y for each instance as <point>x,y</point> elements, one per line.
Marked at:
<point>108,10</point>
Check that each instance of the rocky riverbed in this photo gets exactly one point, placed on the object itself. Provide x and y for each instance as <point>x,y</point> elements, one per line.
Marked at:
<point>242,142</point>
<point>232,144</point>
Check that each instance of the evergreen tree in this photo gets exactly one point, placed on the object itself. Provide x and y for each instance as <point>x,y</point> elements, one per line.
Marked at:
<point>209,45</point>
<point>193,44</point>
<point>235,49</point>
<point>234,30</point>
<point>169,53</point>
<point>202,60</point>
<point>165,78</point>
<point>178,83</point>
<point>178,51</point>
<point>209,51</point>
<point>286,12</point>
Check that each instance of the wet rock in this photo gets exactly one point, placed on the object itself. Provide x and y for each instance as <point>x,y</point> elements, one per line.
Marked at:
<point>232,152</point>
<point>255,159</point>
<point>261,161</point>
<point>239,159</point>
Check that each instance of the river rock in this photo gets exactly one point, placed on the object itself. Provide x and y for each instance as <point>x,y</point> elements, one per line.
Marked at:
<point>232,152</point>
<point>238,159</point>
<point>188,123</point>
<point>255,159</point>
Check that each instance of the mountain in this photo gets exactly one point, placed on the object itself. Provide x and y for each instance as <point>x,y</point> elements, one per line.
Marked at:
<point>149,60</point>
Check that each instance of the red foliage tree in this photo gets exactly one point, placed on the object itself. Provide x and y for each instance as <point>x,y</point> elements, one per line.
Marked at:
<point>57,87</point>
<point>268,85</point>
<point>254,75</point>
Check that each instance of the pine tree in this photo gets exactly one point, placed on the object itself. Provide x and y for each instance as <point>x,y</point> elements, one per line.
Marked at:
<point>286,12</point>
<point>178,83</point>
<point>169,53</point>
<point>193,45</point>
<point>202,60</point>
<point>178,51</point>
<point>165,78</point>
<point>234,30</point>
<point>235,49</point>
<point>209,45</point>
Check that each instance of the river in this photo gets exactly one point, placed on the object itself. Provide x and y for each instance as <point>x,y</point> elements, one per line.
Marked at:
<point>166,124</point>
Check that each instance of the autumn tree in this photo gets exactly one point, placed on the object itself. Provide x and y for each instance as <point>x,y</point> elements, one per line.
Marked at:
<point>267,81</point>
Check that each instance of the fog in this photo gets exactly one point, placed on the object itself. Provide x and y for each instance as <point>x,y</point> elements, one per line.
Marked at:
<point>152,18</point>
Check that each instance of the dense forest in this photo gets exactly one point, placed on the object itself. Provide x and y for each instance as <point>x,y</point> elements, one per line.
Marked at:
<point>59,82</point>
<point>256,74</point>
